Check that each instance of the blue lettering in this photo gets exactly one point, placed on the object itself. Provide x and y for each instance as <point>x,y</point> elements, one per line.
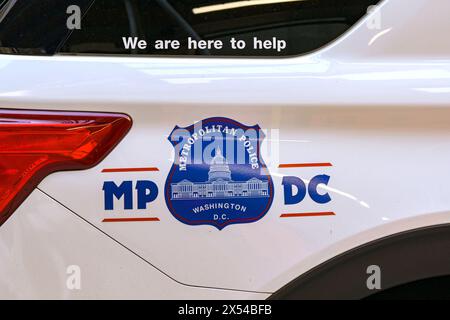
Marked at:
<point>147,191</point>
<point>289,196</point>
<point>112,190</point>
<point>312,189</point>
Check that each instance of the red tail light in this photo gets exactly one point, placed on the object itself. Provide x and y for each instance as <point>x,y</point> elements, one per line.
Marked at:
<point>34,144</point>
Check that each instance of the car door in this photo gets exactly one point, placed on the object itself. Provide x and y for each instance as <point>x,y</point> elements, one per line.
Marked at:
<point>315,128</point>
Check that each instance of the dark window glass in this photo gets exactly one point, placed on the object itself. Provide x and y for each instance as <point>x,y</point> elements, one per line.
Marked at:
<point>108,21</point>
<point>39,26</point>
<point>304,25</point>
<point>34,26</point>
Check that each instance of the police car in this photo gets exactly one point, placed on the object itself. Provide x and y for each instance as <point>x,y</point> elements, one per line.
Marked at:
<point>260,149</point>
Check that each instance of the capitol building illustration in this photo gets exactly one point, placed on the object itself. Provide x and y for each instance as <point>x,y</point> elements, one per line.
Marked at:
<point>219,184</point>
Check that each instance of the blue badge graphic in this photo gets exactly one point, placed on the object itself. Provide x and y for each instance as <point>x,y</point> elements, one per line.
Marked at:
<point>218,177</point>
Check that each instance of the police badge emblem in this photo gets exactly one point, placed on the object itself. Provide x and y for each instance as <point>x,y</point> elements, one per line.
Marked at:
<point>218,177</point>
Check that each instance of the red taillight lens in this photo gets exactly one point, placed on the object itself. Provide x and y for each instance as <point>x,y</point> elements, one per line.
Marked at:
<point>34,144</point>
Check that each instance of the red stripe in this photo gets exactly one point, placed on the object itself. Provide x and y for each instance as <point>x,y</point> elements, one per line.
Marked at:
<point>130,219</point>
<point>130,169</point>
<point>305,165</point>
<point>307,214</point>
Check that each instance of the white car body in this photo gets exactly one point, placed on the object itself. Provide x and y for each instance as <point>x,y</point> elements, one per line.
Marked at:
<point>374,103</point>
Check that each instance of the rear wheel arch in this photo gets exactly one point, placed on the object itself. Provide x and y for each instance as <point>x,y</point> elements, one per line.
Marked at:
<point>403,258</point>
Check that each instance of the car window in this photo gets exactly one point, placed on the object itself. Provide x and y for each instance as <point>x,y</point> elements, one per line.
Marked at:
<point>176,27</point>
<point>303,25</point>
<point>107,22</point>
<point>34,26</point>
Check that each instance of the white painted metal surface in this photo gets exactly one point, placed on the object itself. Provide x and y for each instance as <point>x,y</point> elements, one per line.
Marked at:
<point>42,240</point>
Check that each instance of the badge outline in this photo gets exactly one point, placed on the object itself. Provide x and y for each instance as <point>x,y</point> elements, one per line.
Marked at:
<point>264,169</point>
